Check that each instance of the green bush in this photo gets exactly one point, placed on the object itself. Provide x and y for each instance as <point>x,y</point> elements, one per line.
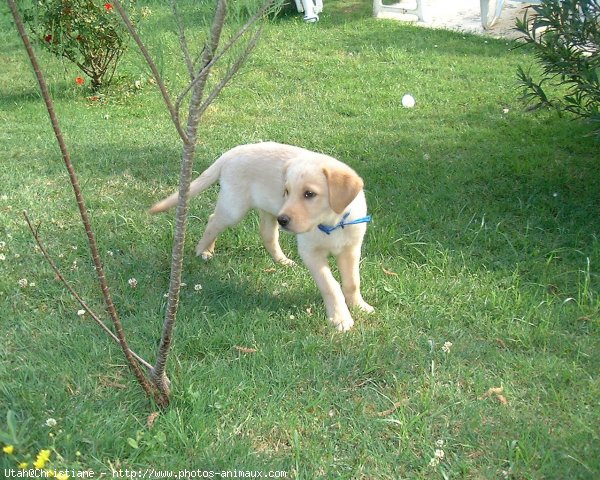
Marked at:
<point>565,36</point>
<point>89,33</point>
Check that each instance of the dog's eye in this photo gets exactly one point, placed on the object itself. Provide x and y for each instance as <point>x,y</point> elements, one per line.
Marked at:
<point>309,194</point>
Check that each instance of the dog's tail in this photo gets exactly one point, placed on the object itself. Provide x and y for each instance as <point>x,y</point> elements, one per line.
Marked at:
<point>205,180</point>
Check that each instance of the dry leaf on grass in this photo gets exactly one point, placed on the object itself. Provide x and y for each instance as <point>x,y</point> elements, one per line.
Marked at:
<point>497,393</point>
<point>492,391</point>
<point>389,272</point>
<point>72,391</point>
<point>151,419</point>
<point>391,410</point>
<point>111,383</point>
<point>245,349</point>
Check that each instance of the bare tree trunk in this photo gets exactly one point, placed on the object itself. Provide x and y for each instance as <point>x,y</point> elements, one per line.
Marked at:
<point>160,388</point>
<point>197,106</point>
<point>187,162</point>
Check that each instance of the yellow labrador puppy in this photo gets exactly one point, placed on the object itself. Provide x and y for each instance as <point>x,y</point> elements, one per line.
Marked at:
<point>315,196</point>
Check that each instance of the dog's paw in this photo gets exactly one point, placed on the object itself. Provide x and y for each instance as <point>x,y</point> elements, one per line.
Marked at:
<point>342,325</point>
<point>365,307</point>
<point>287,262</point>
<point>206,255</point>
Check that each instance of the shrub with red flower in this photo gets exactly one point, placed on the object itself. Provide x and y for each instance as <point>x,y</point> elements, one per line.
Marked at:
<point>86,32</point>
<point>79,80</point>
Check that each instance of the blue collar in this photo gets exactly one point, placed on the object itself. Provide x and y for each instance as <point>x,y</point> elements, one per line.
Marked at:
<point>327,229</point>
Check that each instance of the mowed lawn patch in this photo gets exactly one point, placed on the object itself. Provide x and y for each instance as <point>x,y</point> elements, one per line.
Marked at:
<point>481,261</point>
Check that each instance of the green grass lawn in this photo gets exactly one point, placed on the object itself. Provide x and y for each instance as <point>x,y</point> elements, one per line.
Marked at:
<point>485,235</point>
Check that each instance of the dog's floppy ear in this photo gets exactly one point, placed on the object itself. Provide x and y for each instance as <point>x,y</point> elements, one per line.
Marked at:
<point>344,185</point>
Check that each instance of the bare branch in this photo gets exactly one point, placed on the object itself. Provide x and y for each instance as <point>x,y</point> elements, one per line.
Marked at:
<point>72,291</point>
<point>257,16</point>
<point>195,109</point>
<point>231,72</point>
<point>183,40</point>
<point>80,203</point>
<point>199,75</point>
<point>187,162</point>
<point>232,41</point>
<point>152,65</point>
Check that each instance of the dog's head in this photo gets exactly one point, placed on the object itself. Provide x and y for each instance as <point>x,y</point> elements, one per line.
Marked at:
<point>317,190</point>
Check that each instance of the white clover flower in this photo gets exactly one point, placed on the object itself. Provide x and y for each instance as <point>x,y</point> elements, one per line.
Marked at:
<point>81,312</point>
<point>2,257</point>
<point>447,346</point>
<point>132,282</point>
<point>439,453</point>
<point>51,422</point>
<point>23,283</point>
<point>197,287</point>
<point>2,245</point>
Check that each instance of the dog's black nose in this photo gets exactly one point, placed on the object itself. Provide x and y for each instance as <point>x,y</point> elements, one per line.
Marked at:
<point>283,220</point>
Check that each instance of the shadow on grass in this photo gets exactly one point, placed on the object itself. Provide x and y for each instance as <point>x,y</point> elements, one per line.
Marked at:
<point>529,203</point>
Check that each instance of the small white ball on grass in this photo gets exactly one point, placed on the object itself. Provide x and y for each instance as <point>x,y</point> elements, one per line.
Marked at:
<point>408,101</point>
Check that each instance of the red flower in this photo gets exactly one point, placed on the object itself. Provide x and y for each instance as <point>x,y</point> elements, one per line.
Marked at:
<point>79,80</point>
<point>108,6</point>
<point>48,38</point>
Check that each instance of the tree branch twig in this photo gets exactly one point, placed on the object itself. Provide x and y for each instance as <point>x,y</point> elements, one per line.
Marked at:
<point>72,291</point>
<point>231,72</point>
<point>153,68</point>
<point>187,162</point>
<point>183,40</point>
<point>216,57</point>
<point>139,374</point>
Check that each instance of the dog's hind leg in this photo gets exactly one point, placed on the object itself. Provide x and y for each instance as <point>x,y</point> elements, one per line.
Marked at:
<point>206,246</point>
<point>221,219</point>
<point>269,231</point>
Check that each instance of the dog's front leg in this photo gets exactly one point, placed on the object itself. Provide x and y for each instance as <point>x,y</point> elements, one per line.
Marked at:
<point>338,313</point>
<point>348,262</point>
<point>269,231</point>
